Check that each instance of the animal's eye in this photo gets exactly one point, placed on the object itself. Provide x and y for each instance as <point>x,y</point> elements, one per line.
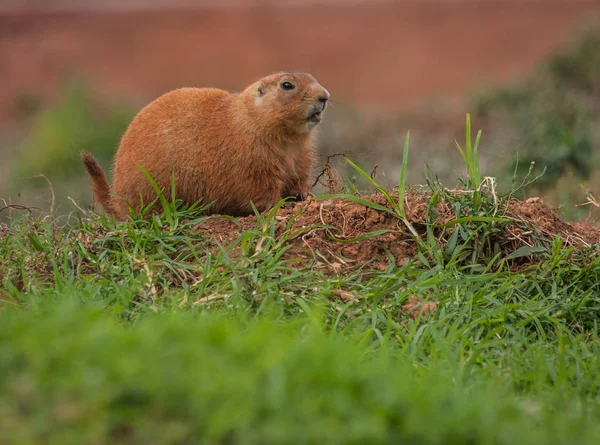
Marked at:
<point>287,86</point>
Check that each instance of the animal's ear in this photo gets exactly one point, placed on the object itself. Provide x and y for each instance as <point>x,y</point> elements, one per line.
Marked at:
<point>260,90</point>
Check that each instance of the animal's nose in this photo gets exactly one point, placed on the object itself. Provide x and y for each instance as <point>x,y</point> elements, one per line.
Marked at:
<point>323,97</point>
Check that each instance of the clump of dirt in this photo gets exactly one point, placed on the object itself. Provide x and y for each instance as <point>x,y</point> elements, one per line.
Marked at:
<point>543,220</point>
<point>341,233</point>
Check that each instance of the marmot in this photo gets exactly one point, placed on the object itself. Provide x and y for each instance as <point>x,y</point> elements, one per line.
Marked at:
<point>223,148</point>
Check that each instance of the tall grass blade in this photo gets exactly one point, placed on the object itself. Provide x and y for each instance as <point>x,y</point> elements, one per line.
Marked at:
<point>402,183</point>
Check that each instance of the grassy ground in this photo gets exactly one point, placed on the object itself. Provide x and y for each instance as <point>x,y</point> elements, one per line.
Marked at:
<point>150,332</point>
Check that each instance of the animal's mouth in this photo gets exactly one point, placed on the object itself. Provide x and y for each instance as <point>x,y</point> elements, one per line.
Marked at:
<point>315,116</point>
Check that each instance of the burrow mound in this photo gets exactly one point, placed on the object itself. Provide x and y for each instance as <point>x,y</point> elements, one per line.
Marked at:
<point>327,230</point>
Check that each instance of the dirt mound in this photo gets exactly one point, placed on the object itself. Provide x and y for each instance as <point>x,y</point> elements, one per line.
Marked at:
<point>537,215</point>
<point>341,233</point>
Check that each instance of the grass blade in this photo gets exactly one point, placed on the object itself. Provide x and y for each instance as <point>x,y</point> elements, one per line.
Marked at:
<point>465,219</point>
<point>402,183</point>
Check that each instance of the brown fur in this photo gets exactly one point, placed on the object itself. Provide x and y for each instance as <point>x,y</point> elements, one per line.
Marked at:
<point>225,148</point>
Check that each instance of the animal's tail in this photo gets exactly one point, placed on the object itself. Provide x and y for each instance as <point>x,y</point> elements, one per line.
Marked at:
<point>100,186</point>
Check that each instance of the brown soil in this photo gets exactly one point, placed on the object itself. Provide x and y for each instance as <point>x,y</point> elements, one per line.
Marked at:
<point>537,214</point>
<point>367,53</point>
<point>317,223</point>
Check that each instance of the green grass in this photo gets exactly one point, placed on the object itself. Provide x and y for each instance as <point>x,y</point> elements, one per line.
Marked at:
<point>149,332</point>
<point>73,375</point>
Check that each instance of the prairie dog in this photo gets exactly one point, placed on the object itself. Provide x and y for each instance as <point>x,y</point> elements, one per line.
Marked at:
<point>225,148</point>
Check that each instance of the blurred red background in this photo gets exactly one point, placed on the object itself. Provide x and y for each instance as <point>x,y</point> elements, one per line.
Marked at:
<point>391,54</point>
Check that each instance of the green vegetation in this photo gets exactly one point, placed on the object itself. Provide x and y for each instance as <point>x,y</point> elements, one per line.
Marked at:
<point>553,118</point>
<point>58,133</point>
<point>73,124</point>
<point>149,331</point>
<point>72,375</point>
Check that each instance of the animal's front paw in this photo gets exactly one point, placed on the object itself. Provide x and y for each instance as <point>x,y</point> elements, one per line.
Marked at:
<point>302,196</point>
<point>296,196</point>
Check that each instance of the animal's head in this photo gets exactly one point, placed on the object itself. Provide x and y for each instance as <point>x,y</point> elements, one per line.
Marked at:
<point>294,101</point>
